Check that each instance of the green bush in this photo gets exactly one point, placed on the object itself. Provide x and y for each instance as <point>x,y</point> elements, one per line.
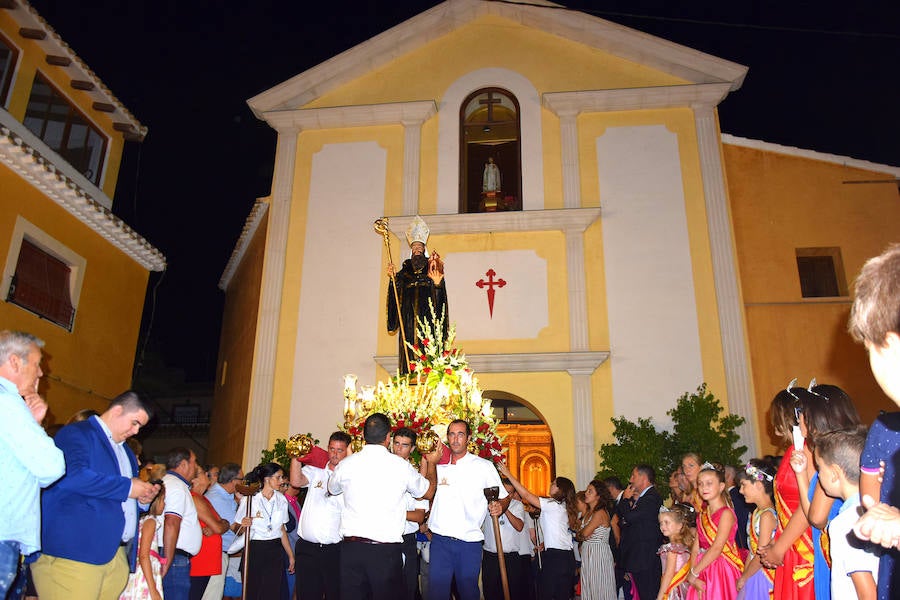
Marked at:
<point>278,455</point>
<point>698,426</point>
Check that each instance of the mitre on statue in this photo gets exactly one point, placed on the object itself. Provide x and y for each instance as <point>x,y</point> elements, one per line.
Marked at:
<point>417,231</point>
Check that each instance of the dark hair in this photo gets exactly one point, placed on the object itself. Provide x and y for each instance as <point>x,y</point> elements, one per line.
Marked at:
<point>604,499</point>
<point>464,422</point>
<point>340,436</point>
<point>260,472</point>
<point>407,433</point>
<point>565,493</point>
<point>876,308</point>
<point>228,472</point>
<point>781,414</point>
<point>131,402</point>
<point>827,408</point>
<point>176,456</point>
<point>613,481</point>
<point>376,428</point>
<point>647,470</point>
<point>843,449</point>
<point>764,466</point>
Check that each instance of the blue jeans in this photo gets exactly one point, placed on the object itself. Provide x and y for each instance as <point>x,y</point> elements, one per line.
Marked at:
<point>177,582</point>
<point>12,582</point>
<point>452,557</point>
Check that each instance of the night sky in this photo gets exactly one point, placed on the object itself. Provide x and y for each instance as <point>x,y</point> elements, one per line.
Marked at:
<point>823,76</point>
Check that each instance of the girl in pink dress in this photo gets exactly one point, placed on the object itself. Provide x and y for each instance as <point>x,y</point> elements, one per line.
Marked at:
<point>677,524</point>
<point>715,562</point>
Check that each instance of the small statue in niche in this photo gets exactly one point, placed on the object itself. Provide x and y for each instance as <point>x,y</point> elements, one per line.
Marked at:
<point>490,181</point>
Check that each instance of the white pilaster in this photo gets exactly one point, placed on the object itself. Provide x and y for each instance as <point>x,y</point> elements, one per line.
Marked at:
<point>583,416</point>
<point>262,386</point>
<point>568,126</point>
<point>578,325</point>
<point>412,141</point>
<point>737,375</point>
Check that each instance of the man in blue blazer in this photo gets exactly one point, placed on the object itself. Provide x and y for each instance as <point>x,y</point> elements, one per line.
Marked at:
<point>90,516</point>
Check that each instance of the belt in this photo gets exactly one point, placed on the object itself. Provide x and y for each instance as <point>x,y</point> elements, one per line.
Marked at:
<point>316,544</point>
<point>178,552</point>
<point>364,540</point>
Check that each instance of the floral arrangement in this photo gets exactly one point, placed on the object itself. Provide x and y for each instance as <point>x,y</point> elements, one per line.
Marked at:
<point>439,388</point>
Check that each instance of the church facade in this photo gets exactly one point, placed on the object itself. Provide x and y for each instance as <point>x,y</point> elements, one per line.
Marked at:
<point>605,249</point>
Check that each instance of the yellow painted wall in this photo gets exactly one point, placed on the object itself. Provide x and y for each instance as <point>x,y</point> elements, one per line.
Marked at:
<point>234,372</point>
<point>32,58</point>
<point>681,122</point>
<point>780,203</point>
<point>310,142</point>
<point>550,62</point>
<point>92,363</point>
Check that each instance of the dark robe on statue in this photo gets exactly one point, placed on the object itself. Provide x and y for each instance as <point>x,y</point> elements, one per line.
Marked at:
<point>415,288</point>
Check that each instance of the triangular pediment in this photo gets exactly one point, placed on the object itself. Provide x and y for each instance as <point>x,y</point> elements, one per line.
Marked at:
<point>649,51</point>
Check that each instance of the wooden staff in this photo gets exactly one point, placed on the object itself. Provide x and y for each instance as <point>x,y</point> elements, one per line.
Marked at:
<point>381,227</point>
<point>248,491</point>
<point>493,495</point>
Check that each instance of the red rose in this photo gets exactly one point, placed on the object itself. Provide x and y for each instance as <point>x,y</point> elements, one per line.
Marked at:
<point>495,445</point>
<point>483,428</point>
<point>416,347</point>
<point>425,342</point>
<point>423,358</point>
<point>446,353</point>
<point>484,453</point>
<point>426,370</point>
<point>448,371</point>
<point>412,366</point>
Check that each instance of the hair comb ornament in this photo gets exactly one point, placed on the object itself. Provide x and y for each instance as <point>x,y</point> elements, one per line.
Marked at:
<point>758,474</point>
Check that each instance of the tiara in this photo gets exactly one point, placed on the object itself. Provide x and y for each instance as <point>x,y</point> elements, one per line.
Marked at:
<point>686,507</point>
<point>756,473</point>
<point>708,466</point>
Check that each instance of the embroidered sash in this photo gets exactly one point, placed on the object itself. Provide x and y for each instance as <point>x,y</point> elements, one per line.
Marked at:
<point>753,534</point>
<point>679,578</point>
<point>708,528</point>
<point>803,571</point>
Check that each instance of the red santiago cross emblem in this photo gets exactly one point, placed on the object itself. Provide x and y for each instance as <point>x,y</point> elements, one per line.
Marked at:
<point>489,284</point>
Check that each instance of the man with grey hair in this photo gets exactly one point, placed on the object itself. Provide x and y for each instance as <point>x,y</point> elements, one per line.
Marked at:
<point>90,516</point>
<point>28,458</point>
<point>221,496</point>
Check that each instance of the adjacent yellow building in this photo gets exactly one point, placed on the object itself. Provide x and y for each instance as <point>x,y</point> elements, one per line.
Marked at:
<point>74,274</point>
<point>622,227</point>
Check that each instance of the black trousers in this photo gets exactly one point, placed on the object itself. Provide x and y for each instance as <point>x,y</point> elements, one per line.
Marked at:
<point>317,572</point>
<point>372,571</point>
<point>558,575</point>
<point>491,582</point>
<point>410,566</point>
<point>647,582</point>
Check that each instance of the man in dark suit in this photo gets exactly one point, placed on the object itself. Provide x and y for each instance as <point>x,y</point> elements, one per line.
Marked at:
<point>90,516</point>
<point>639,522</point>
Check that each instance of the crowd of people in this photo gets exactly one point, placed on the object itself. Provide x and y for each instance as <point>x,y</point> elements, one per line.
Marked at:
<point>819,521</point>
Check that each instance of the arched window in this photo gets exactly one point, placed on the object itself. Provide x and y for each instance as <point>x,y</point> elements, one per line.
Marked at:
<point>490,162</point>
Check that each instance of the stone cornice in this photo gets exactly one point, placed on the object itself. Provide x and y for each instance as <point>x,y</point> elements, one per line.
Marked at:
<point>680,61</point>
<point>260,207</point>
<point>28,156</point>
<point>563,219</point>
<point>27,17</point>
<point>536,362</point>
<point>670,96</point>
<point>351,116</point>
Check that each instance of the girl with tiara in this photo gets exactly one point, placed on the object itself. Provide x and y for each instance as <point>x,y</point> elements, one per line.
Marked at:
<point>677,524</point>
<point>792,552</point>
<point>758,488</point>
<point>715,562</point>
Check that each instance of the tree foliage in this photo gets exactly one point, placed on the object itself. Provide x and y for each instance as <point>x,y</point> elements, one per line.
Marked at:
<point>700,425</point>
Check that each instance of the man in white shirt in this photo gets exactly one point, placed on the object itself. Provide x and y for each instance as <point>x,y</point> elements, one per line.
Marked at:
<point>181,528</point>
<point>404,442</point>
<point>374,484</point>
<point>318,549</point>
<point>457,512</point>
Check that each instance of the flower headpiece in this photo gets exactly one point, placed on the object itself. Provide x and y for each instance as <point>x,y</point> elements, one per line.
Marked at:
<point>754,472</point>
